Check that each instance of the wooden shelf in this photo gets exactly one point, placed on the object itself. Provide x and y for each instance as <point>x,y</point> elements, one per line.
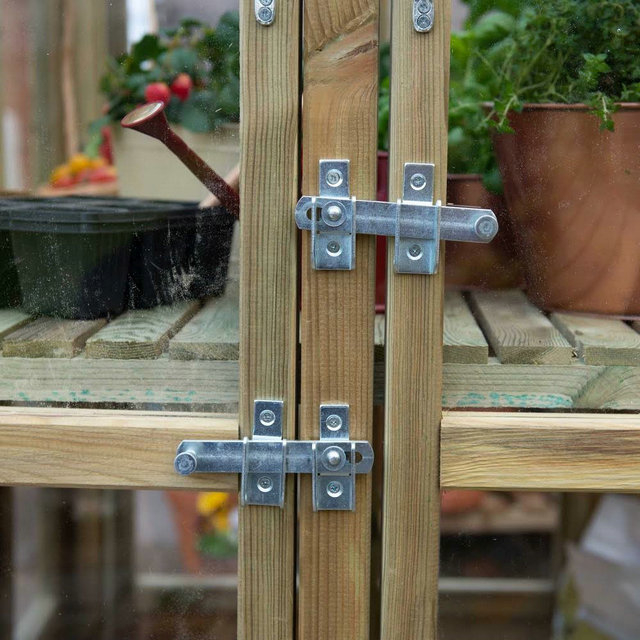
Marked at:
<point>499,352</point>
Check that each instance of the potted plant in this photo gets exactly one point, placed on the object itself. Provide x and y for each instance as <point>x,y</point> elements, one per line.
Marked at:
<point>473,175</point>
<point>565,85</point>
<point>194,69</point>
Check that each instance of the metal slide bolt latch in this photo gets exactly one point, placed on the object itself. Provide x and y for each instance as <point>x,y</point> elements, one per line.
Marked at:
<point>264,460</point>
<point>417,224</point>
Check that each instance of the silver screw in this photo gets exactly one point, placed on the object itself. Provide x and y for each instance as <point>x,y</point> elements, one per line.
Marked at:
<point>185,463</point>
<point>414,251</point>
<point>334,177</point>
<point>334,212</point>
<point>266,3</point>
<point>418,181</point>
<point>333,248</point>
<point>265,14</point>
<point>485,227</point>
<point>267,417</point>
<point>334,489</point>
<point>424,22</point>
<point>265,484</point>
<point>332,457</point>
<point>424,7</point>
<point>333,422</point>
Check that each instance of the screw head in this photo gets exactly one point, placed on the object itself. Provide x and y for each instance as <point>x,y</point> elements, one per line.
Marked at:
<point>414,252</point>
<point>334,212</point>
<point>424,7</point>
<point>265,14</point>
<point>333,457</point>
<point>334,249</point>
<point>265,484</point>
<point>267,417</point>
<point>486,227</point>
<point>418,181</point>
<point>333,422</point>
<point>266,3</point>
<point>185,463</point>
<point>334,489</point>
<point>334,177</point>
<point>424,22</point>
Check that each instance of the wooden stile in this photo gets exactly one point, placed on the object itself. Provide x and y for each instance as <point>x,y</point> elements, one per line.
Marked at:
<point>339,121</point>
<point>418,133</point>
<point>268,305</point>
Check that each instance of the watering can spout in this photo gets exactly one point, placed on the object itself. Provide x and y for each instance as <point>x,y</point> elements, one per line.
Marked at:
<point>151,120</point>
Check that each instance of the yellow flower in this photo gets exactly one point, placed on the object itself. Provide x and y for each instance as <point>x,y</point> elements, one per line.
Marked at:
<point>210,502</point>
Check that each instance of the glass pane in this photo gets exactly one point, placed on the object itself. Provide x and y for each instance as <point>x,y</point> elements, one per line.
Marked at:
<point>120,564</point>
<point>500,560</point>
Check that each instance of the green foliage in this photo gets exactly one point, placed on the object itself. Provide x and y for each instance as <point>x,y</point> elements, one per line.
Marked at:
<point>470,149</point>
<point>567,51</point>
<point>210,56</point>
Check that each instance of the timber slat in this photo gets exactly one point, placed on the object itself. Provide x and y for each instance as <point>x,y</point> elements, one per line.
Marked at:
<point>517,331</point>
<point>50,338</point>
<point>600,340</point>
<point>212,334</point>
<point>463,339</point>
<point>269,132</point>
<point>541,451</point>
<point>84,380</point>
<point>10,320</point>
<point>337,318</point>
<point>143,333</point>
<point>106,449</point>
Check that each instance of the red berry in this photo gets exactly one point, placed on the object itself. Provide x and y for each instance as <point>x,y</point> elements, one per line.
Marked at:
<point>157,92</point>
<point>181,86</point>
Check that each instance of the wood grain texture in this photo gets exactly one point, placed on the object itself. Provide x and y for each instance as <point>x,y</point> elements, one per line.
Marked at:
<point>143,333</point>
<point>213,334</point>
<point>337,321</point>
<point>10,320</point>
<point>463,340</point>
<point>542,451</point>
<point>106,449</point>
<point>80,380</point>
<point>214,384</point>
<point>418,133</point>
<point>270,109</point>
<point>50,338</point>
<point>518,386</point>
<point>599,340</point>
<point>518,332</point>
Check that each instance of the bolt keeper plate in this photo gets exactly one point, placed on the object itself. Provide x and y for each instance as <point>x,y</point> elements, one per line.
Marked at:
<point>264,460</point>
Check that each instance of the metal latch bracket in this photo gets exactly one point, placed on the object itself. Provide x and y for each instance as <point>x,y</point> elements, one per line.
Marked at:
<point>416,222</point>
<point>264,460</point>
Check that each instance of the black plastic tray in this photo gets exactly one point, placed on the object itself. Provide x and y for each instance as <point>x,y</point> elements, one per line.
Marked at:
<point>90,257</point>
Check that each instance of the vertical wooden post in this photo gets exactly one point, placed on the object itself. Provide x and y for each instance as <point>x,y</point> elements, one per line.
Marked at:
<point>268,305</point>
<point>339,121</point>
<point>6,562</point>
<point>418,133</point>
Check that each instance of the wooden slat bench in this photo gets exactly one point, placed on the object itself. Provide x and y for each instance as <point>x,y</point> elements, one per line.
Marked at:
<point>499,351</point>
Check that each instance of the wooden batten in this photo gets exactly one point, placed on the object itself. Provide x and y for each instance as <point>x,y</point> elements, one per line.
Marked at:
<point>410,545</point>
<point>106,449</point>
<point>268,302</point>
<point>337,322</point>
<point>540,451</point>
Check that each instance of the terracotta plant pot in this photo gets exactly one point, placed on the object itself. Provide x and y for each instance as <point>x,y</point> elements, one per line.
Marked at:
<point>573,193</point>
<point>468,265</point>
